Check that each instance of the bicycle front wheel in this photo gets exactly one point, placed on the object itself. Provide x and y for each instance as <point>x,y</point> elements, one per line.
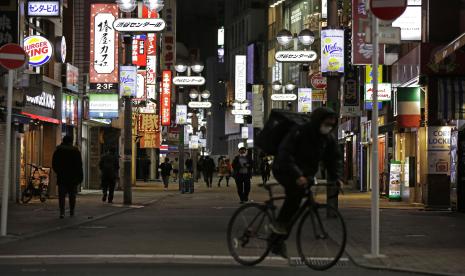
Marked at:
<point>321,237</point>
<point>248,234</point>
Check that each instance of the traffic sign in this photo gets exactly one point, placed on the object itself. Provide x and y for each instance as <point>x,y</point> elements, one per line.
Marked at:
<point>12,56</point>
<point>388,9</point>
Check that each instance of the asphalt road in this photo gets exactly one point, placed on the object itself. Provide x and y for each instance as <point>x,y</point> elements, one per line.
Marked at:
<point>180,270</point>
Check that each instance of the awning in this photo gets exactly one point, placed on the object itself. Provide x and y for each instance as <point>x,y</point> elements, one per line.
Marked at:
<point>456,44</point>
<point>451,98</point>
<point>42,118</point>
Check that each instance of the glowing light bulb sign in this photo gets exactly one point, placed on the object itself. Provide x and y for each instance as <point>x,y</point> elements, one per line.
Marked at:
<point>39,50</point>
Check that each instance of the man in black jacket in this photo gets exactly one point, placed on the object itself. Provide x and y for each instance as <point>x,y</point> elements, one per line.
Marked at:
<point>208,167</point>
<point>109,168</point>
<point>297,162</point>
<point>242,172</point>
<point>67,164</point>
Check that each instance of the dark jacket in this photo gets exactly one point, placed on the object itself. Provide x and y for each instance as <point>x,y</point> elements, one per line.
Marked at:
<point>236,165</point>
<point>208,165</point>
<point>109,166</point>
<point>67,164</point>
<point>188,165</point>
<point>302,150</point>
<point>165,169</point>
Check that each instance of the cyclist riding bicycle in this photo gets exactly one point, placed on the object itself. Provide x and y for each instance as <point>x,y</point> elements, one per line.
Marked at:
<point>297,162</point>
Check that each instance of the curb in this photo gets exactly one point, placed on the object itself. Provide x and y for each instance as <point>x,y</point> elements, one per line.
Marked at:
<point>50,230</point>
<point>396,269</point>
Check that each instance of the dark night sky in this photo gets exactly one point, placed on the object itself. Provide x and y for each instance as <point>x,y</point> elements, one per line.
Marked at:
<point>197,24</point>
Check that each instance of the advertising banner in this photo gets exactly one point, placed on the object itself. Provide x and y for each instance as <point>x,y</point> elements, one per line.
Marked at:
<point>72,78</point>
<point>240,78</point>
<point>395,180</point>
<point>439,141</point>
<point>181,114</point>
<point>257,106</point>
<point>319,96</point>
<point>304,100</point>
<point>410,24</point>
<point>139,52</point>
<point>103,106</point>
<point>332,50</point>
<point>128,81</point>
<point>103,44</point>
<point>361,51</point>
<point>141,94</point>
<point>165,99</point>
<point>384,92</point>
<point>369,74</point>
<point>150,140</point>
<point>147,123</point>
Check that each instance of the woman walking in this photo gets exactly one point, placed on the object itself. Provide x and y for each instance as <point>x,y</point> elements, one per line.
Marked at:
<point>224,171</point>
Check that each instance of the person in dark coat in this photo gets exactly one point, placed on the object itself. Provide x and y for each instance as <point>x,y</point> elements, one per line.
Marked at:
<point>208,167</point>
<point>265,169</point>
<point>242,172</point>
<point>166,168</point>
<point>67,164</point>
<point>109,168</point>
<point>189,165</point>
<point>297,162</point>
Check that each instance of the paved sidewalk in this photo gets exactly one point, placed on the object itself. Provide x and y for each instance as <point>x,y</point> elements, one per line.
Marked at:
<point>36,218</point>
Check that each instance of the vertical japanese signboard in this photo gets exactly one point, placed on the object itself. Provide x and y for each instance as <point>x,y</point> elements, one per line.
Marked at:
<point>305,100</point>
<point>165,99</point>
<point>149,130</point>
<point>332,50</point>
<point>103,44</point>
<point>168,53</point>
<point>361,51</point>
<point>151,61</point>
<point>181,114</point>
<point>128,81</point>
<point>139,51</point>
<point>8,22</point>
<point>241,78</point>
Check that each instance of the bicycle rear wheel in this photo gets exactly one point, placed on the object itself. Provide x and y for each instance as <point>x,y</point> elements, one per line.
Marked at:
<point>248,234</point>
<point>321,237</point>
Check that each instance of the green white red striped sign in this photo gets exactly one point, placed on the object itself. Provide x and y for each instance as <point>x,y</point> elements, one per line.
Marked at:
<point>408,107</point>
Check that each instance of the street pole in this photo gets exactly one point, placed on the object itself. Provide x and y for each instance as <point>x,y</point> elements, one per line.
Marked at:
<point>6,165</point>
<point>374,153</point>
<point>333,85</point>
<point>127,179</point>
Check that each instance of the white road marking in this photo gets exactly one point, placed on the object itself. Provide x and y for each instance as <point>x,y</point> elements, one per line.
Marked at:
<point>12,56</point>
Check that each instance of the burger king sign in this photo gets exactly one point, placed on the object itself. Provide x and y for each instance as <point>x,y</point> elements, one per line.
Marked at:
<point>39,50</point>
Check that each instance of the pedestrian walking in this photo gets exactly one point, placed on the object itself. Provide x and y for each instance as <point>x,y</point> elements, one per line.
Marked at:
<point>67,164</point>
<point>199,168</point>
<point>189,164</point>
<point>166,172</point>
<point>242,168</point>
<point>109,168</point>
<point>265,169</point>
<point>224,171</point>
<point>208,167</point>
<point>175,166</point>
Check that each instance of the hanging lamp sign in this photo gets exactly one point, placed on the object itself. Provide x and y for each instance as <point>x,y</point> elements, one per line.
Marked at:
<point>296,56</point>
<point>139,25</point>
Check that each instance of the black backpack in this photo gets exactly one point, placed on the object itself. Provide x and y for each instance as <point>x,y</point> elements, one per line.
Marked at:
<point>279,124</point>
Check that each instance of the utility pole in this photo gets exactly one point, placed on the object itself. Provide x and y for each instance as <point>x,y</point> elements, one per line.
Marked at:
<point>333,86</point>
<point>127,192</point>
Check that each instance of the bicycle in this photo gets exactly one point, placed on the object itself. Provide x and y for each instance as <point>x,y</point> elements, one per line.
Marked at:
<point>37,184</point>
<point>321,227</point>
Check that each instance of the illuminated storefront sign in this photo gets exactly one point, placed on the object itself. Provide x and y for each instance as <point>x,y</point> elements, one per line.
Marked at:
<point>72,78</point>
<point>103,44</point>
<point>103,106</point>
<point>43,8</point>
<point>304,100</point>
<point>240,81</point>
<point>384,92</point>
<point>128,81</point>
<point>46,100</point>
<point>165,99</point>
<point>60,49</point>
<point>332,50</point>
<point>139,24</point>
<point>39,50</point>
<point>181,114</point>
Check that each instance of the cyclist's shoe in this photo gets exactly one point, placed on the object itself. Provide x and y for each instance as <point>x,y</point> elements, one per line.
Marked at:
<point>278,229</point>
<point>280,249</point>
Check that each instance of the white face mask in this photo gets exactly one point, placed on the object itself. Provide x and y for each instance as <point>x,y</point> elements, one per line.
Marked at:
<point>325,130</point>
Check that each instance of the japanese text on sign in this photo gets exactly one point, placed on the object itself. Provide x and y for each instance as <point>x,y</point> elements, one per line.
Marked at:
<point>166,98</point>
<point>43,8</point>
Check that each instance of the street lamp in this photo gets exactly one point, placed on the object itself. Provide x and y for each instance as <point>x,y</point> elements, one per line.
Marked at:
<point>181,67</point>
<point>154,4</point>
<point>126,5</point>
<point>197,67</point>
<point>205,94</point>
<point>306,37</point>
<point>290,86</point>
<point>276,85</point>
<point>193,94</point>
<point>284,37</point>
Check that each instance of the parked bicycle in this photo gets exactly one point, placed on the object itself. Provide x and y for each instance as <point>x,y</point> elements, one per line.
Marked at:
<point>321,233</point>
<point>37,184</point>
